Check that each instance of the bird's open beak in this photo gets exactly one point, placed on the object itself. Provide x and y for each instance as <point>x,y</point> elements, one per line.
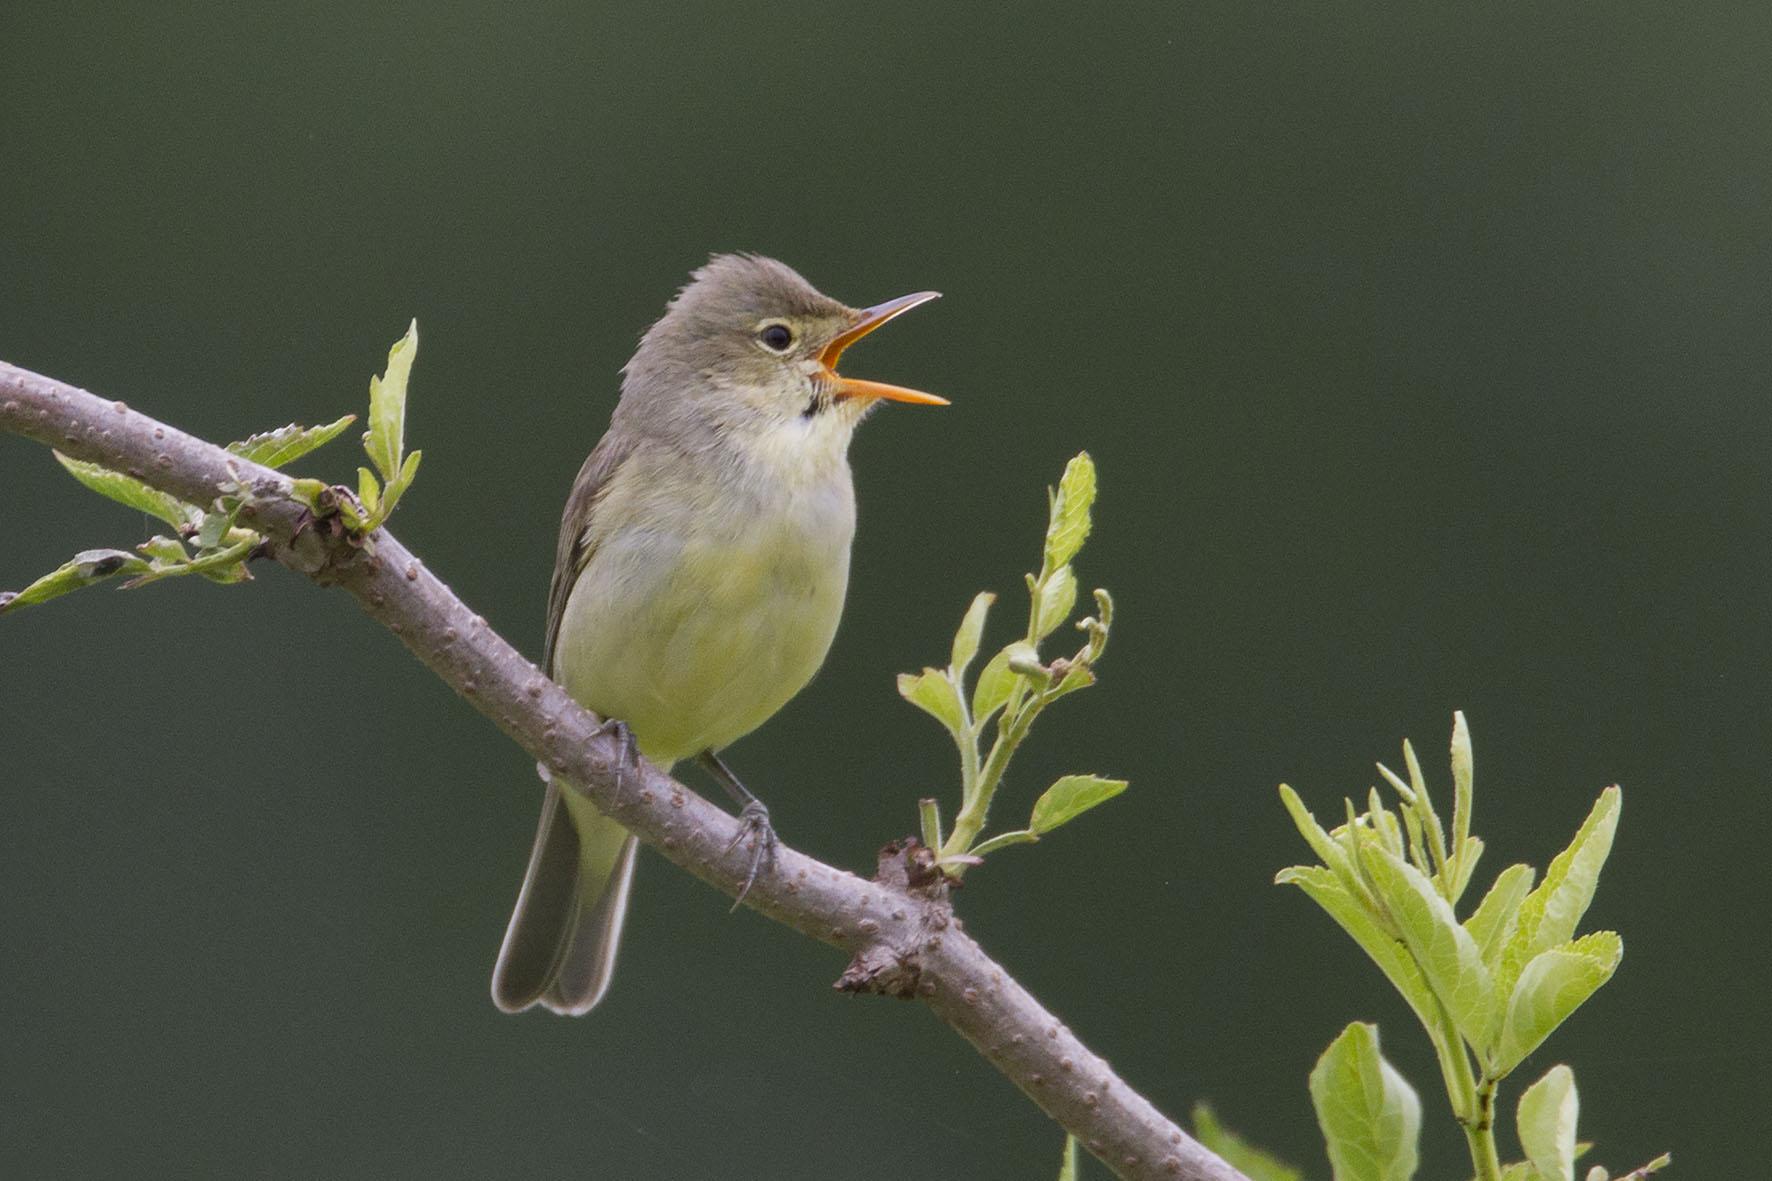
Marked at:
<point>866,321</point>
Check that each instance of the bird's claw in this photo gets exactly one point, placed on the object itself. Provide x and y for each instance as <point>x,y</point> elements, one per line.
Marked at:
<point>626,754</point>
<point>753,821</point>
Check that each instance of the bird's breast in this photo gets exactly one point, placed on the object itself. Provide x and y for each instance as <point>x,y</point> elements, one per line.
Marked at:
<point>696,626</point>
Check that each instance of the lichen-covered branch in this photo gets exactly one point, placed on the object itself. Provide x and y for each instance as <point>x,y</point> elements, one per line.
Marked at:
<point>899,929</point>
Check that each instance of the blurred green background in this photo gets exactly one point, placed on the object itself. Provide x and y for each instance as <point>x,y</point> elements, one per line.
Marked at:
<point>1424,353</point>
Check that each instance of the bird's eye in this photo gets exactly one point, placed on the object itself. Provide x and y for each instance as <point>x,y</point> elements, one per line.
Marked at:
<point>777,338</point>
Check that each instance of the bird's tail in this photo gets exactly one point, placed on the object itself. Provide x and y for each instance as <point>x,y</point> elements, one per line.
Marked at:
<point>560,947</point>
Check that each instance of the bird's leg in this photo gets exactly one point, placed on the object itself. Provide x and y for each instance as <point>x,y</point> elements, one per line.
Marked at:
<point>626,755</point>
<point>753,819</point>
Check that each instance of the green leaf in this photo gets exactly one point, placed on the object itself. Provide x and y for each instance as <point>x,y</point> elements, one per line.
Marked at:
<point>1247,1159</point>
<point>1446,952</point>
<point>1053,600</point>
<point>129,491</point>
<point>1069,525</point>
<point>368,490</point>
<point>1553,985</point>
<point>1069,798</point>
<point>1332,852</point>
<point>1640,1173</point>
<point>213,529</point>
<point>164,549</point>
<point>1554,909</point>
<point>226,574</point>
<point>1098,626</point>
<point>83,569</point>
<point>932,692</point>
<point>221,564</point>
<point>289,443</point>
<point>1492,923</point>
<point>1463,775</point>
<point>1466,859</point>
<point>385,441</point>
<point>1418,853</point>
<point>1546,1123</point>
<point>1383,824</point>
<point>1356,917</point>
<point>1370,1116</point>
<point>225,566</point>
<point>1402,789</point>
<point>308,491</point>
<point>1518,1171</point>
<point>1067,1169</point>
<point>929,817</point>
<point>997,680</point>
<point>1430,819</point>
<point>1549,914</point>
<point>971,632</point>
<point>400,483</point>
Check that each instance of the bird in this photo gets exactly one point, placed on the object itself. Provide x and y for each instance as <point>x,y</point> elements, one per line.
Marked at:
<point>699,576</point>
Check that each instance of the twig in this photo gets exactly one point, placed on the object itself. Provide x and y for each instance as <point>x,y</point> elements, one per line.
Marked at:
<point>899,929</point>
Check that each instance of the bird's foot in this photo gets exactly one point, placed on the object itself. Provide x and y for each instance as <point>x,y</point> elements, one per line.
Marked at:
<point>626,753</point>
<point>753,821</point>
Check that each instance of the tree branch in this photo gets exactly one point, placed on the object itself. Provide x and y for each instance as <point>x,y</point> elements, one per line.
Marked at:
<point>899,929</point>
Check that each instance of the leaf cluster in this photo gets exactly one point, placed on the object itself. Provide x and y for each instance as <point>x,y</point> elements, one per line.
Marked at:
<point>385,440</point>
<point>1014,687</point>
<point>1488,988</point>
<point>1371,1117</point>
<point>207,540</point>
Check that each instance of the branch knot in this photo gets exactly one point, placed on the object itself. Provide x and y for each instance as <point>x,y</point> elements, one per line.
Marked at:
<point>892,964</point>
<point>323,544</point>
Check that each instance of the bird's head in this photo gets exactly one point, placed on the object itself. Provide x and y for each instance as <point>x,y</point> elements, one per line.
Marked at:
<point>749,342</point>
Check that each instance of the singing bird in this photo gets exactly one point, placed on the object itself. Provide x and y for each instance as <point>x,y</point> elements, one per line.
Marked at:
<point>701,568</point>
